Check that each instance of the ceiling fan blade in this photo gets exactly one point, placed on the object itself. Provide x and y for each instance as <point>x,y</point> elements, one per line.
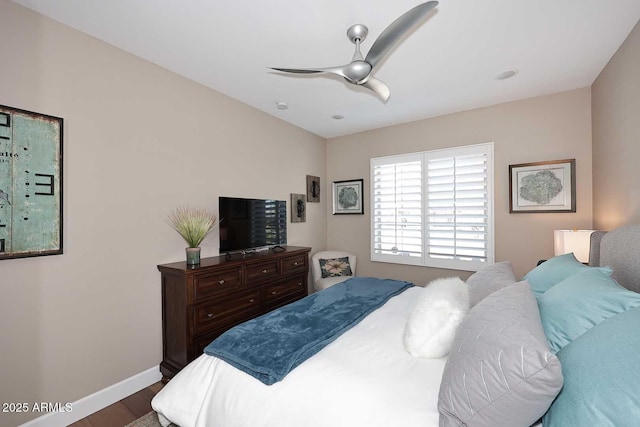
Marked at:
<point>390,37</point>
<point>381,89</point>
<point>298,70</point>
<point>332,70</point>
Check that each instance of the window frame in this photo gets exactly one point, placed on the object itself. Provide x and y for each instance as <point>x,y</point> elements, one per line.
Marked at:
<point>424,157</point>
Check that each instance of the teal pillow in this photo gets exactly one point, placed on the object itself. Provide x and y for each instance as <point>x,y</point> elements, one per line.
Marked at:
<point>578,303</point>
<point>601,376</point>
<point>546,275</point>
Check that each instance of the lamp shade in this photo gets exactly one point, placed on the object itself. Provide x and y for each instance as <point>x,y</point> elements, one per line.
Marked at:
<point>576,241</point>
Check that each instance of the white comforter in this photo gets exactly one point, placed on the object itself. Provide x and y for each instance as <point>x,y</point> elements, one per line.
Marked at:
<point>364,378</point>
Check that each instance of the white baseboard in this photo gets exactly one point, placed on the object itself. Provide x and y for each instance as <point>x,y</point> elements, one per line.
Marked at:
<point>86,406</point>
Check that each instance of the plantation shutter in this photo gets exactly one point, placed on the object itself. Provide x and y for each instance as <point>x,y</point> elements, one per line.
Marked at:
<point>257,223</point>
<point>397,208</point>
<point>457,207</point>
<point>434,208</point>
<point>267,221</point>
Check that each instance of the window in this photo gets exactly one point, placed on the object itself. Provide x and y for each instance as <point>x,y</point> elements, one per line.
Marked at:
<point>434,208</point>
<point>267,222</point>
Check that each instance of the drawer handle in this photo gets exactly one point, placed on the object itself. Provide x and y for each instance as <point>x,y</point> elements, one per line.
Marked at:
<point>210,315</point>
<point>299,283</point>
<point>252,300</point>
<point>264,271</point>
<point>273,292</point>
<point>296,263</point>
<point>221,281</point>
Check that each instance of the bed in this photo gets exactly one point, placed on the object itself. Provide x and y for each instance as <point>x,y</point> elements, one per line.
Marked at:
<point>516,358</point>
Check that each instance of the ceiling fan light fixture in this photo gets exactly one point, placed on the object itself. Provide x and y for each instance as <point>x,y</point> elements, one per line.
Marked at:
<point>506,74</point>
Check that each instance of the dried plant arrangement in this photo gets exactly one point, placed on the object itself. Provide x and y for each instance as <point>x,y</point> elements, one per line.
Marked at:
<point>193,224</point>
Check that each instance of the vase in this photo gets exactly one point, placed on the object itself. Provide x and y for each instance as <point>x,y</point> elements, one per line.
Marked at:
<point>193,256</point>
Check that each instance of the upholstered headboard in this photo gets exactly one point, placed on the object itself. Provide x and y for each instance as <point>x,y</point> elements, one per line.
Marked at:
<point>620,250</point>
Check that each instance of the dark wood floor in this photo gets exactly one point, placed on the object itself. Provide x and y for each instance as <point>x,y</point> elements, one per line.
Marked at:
<point>123,412</point>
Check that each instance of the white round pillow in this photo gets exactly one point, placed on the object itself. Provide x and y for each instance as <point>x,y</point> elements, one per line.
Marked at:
<point>432,324</point>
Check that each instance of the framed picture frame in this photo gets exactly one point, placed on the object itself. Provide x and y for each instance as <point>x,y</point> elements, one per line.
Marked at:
<point>348,197</point>
<point>30,183</point>
<point>543,187</point>
<point>298,208</point>
<point>313,189</point>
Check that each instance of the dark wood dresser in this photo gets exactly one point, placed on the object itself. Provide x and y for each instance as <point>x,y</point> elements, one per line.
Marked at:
<point>201,302</point>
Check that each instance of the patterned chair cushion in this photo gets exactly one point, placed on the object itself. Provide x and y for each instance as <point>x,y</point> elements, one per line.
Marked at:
<point>335,267</point>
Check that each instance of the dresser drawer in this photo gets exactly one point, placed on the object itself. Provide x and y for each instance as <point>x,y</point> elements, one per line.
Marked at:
<point>207,284</point>
<point>264,270</point>
<point>294,263</point>
<point>226,313</point>
<point>284,289</point>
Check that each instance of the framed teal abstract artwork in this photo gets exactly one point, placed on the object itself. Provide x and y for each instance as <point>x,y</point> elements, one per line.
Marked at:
<point>30,184</point>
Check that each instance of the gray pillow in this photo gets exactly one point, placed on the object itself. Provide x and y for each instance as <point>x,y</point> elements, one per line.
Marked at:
<point>500,371</point>
<point>488,280</point>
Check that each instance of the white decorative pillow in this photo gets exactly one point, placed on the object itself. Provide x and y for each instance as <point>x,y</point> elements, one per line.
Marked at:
<point>432,324</point>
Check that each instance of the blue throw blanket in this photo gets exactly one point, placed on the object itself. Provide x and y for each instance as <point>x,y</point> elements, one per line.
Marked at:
<point>272,345</point>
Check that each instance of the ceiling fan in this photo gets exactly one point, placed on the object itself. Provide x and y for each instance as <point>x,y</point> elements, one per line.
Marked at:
<point>359,71</point>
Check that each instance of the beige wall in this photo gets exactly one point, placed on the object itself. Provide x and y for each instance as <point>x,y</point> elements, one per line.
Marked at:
<point>545,128</point>
<point>138,141</point>
<point>616,138</point>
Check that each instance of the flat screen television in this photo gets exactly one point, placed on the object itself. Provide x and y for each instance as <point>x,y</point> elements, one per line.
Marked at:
<point>251,223</point>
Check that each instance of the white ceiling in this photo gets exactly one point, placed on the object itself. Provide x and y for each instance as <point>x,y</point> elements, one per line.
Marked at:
<point>447,65</point>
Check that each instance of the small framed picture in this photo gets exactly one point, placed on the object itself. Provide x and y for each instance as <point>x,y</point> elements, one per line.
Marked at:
<point>347,197</point>
<point>298,208</point>
<point>313,189</point>
<point>543,187</point>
